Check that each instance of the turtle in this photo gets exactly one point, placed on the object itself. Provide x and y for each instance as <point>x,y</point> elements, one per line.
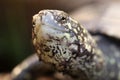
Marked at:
<point>105,65</point>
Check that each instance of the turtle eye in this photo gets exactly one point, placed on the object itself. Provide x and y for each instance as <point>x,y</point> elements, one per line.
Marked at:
<point>63,19</point>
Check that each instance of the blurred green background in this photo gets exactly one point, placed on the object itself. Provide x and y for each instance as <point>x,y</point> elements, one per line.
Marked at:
<point>15,34</point>
<point>15,26</point>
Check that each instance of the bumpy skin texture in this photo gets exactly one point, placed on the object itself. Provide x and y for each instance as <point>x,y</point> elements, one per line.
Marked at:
<point>63,42</point>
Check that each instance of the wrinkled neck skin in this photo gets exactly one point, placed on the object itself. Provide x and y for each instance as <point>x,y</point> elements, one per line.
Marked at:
<point>69,47</point>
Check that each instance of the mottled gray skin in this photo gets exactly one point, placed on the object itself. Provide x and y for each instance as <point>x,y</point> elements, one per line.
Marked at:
<point>63,42</point>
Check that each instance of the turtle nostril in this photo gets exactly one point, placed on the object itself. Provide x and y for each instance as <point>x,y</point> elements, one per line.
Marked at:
<point>33,23</point>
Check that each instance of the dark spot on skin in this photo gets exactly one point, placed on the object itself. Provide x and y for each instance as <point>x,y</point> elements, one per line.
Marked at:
<point>64,52</point>
<point>49,40</point>
<point>54,52</point>
<point>57,47</point>
<point>74,52</point>
<point>53,47</point>
<point>50,46</point>
<point>47,49</point>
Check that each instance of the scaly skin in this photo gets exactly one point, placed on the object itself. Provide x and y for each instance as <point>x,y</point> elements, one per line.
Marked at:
<point>60,40</point>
